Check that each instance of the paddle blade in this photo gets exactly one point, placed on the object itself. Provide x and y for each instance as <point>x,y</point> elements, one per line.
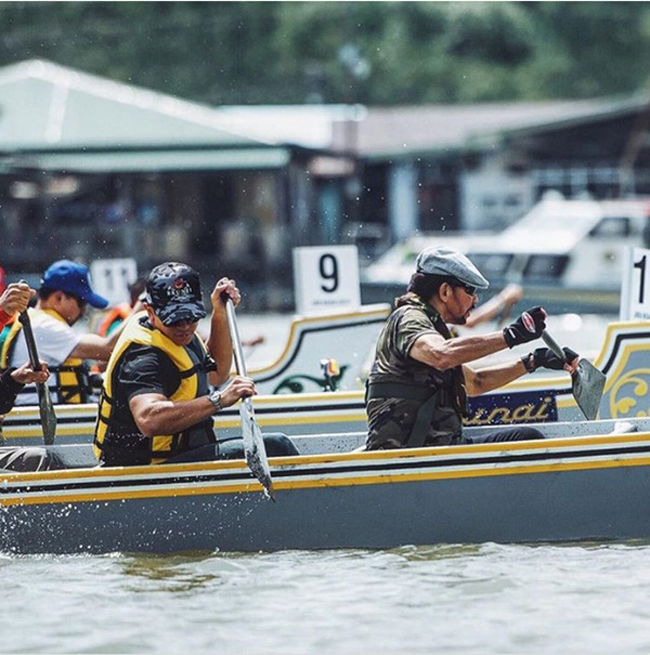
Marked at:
<point>254,447</point>
<point>46,411</point>
<point>587,387</point>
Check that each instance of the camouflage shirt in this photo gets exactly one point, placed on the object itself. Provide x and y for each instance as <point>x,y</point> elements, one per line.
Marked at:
<point>391,419</point>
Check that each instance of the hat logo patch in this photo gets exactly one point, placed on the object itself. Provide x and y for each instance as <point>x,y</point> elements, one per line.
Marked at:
<point>181,291</point>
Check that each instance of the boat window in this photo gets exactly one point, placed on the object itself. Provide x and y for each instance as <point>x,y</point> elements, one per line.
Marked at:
<point>545,266</point>
<point>612,226</point>
<point>491,264</point>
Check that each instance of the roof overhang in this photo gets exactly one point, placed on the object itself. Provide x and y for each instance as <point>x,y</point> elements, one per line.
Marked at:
<point>153,161</point>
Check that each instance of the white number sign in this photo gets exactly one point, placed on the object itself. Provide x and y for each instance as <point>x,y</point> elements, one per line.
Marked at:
<point>111,278</point>
<point>635,289</point>
<point>326,278</point>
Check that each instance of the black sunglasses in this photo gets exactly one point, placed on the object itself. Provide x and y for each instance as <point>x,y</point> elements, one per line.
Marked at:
<point>472,291</point>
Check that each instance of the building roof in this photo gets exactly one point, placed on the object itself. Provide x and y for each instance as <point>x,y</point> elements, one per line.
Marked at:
<point>404,131</point>
<point>47,107</point>
<point>50,107</point>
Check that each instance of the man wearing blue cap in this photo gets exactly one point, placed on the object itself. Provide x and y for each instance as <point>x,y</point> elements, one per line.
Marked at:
<point>64,293</point>
<point>419,382</point>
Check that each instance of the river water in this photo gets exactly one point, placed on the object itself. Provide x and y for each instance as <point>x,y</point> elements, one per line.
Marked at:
<point>489,598</point>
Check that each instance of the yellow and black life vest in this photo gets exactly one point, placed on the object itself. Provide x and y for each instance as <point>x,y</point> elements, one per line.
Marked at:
<point>69,381</point>
<point>116,440</point>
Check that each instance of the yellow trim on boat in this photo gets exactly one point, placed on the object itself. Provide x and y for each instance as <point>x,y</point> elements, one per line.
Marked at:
<point>322,482</point>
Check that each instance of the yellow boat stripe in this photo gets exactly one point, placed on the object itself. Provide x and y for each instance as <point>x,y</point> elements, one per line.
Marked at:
<point>322,482</point>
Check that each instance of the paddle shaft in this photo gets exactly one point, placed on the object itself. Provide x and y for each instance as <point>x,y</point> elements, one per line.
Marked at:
<point>254,448</point>
<point>45,406</point>
<point>529,323</point>
<point>238,351</point>
<point>553,345</point>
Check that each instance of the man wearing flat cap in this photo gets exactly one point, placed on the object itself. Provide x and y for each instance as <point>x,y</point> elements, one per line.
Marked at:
<point>420,379</point>
<point>156,405</point>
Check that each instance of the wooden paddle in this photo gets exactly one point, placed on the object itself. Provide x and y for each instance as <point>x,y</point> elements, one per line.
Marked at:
<point>587,382</point>
<point>253,442</point>
<point>45,407</point>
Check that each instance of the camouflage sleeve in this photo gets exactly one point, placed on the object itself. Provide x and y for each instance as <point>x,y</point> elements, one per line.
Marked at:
<point>412,324</point>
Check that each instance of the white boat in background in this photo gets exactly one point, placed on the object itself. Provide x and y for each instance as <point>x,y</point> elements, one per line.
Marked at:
<point>567,254</point>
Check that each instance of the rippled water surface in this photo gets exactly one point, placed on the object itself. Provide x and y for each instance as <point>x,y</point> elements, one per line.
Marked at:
<point>587,598</point>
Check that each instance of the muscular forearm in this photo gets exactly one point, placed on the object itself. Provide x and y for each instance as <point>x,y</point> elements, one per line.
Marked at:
<point>492,377</point>
<point>220,346</point>
<point>440,354</point>
<point>164,416</point>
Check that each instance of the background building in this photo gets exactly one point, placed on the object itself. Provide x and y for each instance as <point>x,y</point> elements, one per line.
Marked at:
<point>91,168</point>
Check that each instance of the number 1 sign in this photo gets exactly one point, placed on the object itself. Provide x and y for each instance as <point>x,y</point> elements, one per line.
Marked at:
<point>635,289</point>
<point>326,278</point>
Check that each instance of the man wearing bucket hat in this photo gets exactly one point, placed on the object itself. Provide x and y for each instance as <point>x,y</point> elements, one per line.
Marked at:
<point>420,379</point>
<point>64,293</point>
<point>157,405</point>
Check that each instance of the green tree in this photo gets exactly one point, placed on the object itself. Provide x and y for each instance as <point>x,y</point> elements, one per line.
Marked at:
<point>377,53</point>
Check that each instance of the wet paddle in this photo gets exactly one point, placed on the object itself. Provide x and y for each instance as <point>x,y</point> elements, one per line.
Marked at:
<point>587,382</point>
<point>253,442</point>
<point>45,407</point>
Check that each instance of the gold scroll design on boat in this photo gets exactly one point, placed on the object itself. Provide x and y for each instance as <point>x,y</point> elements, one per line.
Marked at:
<point>629,395</point>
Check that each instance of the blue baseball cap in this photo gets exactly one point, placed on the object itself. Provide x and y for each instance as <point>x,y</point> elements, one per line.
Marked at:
<point>70,277</point>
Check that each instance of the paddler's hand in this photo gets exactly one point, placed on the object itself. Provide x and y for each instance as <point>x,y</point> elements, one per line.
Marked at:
<point>227,286</point>
<point>240,387</point>
<point>527,327</point>
<point>15,298</point>
<point>548,359</point>
<point>25,374</point>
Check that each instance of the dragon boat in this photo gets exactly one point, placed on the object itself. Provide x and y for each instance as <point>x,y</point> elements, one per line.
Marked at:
<point>583,482</point>
<point>624,358</point>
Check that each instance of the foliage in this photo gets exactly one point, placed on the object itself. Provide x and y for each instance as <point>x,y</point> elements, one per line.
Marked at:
<point>377,53</point>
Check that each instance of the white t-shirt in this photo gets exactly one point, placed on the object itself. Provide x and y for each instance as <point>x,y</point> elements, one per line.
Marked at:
<point>55,340</point>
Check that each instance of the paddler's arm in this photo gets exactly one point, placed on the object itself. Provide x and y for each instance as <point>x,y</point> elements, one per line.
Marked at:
<point>156,414</point>
<point>492,377</point>
<point>434,350</point>
<point>94,346</point>
<point>443,354</point>
<point>219,343</point>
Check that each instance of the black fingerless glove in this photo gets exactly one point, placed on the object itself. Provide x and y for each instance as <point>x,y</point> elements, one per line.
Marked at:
<point>548,359</point>
<point>527,327</point>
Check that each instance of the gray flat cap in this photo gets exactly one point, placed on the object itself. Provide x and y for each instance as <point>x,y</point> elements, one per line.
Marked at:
<point>447,261</point>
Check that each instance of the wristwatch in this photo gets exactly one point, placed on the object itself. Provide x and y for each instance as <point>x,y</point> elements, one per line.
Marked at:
<point>215,399</point>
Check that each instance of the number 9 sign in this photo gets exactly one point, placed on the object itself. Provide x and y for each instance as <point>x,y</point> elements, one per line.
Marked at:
<point>326,278</point>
